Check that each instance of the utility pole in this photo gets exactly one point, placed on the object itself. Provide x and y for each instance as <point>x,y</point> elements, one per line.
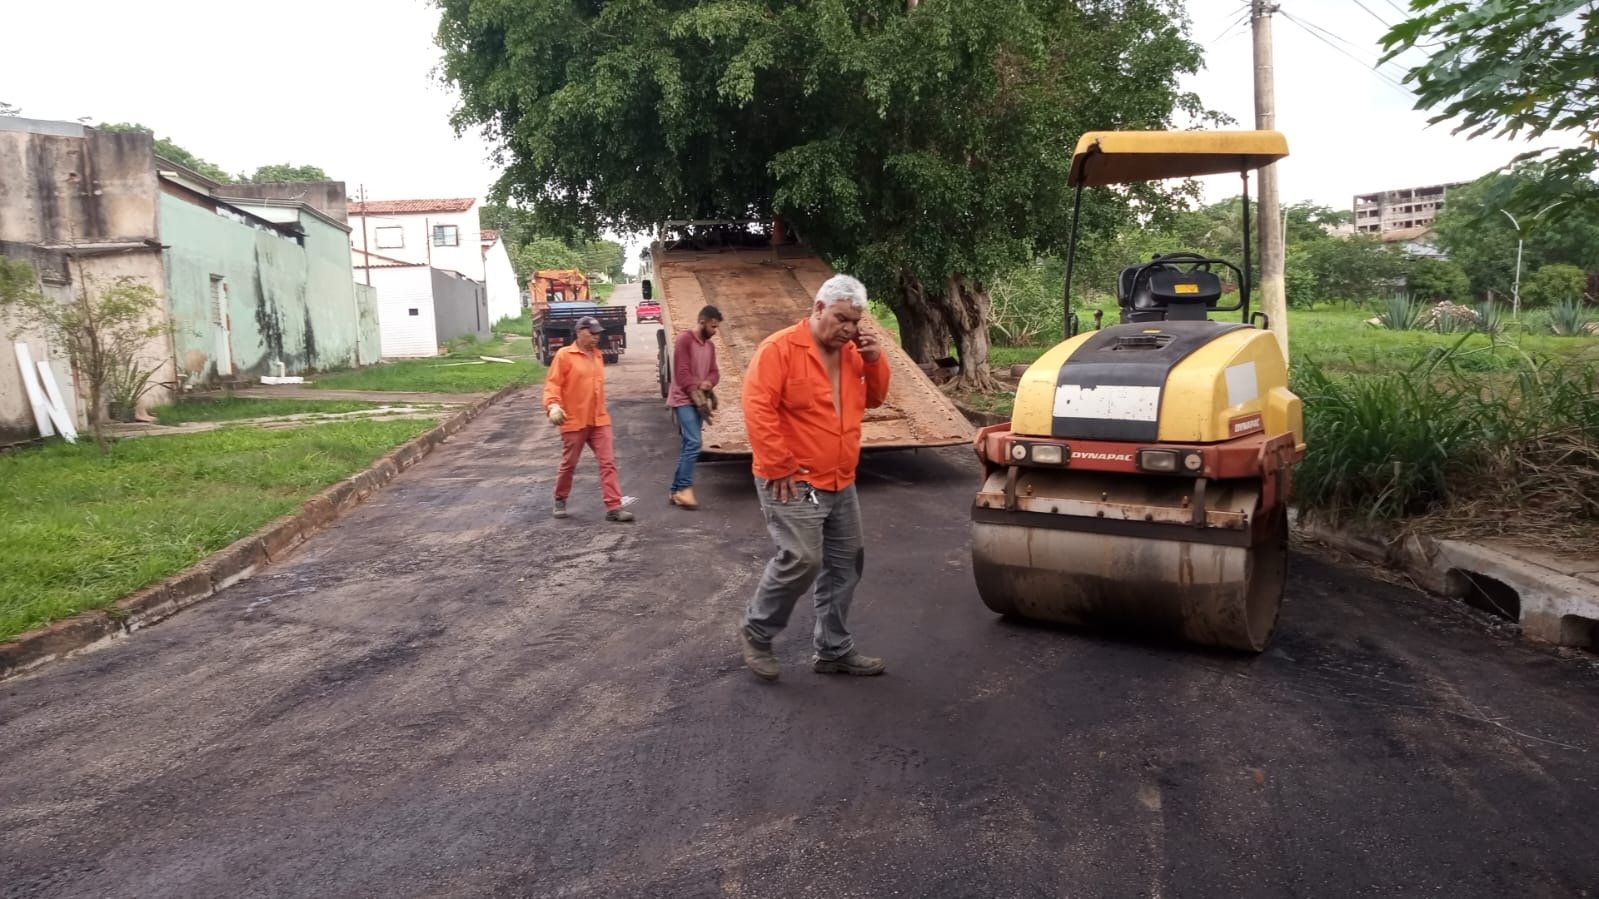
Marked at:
<point>365,256</point>
<point>1273,300</point>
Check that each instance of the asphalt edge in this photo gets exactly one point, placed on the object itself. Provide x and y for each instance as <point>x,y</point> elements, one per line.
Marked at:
<point>235,562</point>
<point>1554,601</point>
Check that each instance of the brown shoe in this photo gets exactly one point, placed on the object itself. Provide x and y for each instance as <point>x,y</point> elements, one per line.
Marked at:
<point>684,499</point>
<point>853,663</point>
<point>759,658</point>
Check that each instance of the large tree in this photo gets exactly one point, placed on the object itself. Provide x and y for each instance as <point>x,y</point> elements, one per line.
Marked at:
<point>923,146</point>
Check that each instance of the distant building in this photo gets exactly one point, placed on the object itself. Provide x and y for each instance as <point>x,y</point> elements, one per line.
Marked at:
<point>1397,210</point>
<point>252,283</point>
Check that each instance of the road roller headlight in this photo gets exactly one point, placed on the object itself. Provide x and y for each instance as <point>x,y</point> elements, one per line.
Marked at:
<point>1018,452</point>
<point>1175,461</point>
<point>1048,454</point>
<point>1157,460</point>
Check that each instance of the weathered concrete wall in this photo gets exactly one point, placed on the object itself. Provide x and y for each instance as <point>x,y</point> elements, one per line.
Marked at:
<point>72,188</point>
<point>460,306</point>
<point>327,197</point>
<point>60,188</point>
<point>505,295</point>
<point>370,340</point>
<point>283,301</point>
<point>17,423</point>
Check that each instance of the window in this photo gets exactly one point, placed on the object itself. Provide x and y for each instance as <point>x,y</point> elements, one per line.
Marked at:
<point>389,237</point>
<point>446,236</point>
<point>414,312</point>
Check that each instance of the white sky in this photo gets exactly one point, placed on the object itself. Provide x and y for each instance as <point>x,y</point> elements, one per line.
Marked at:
<point>346,85</point>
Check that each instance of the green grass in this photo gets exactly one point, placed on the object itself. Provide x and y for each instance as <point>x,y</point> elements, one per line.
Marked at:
<point>234,408</point>
<point>522,324</point>
<point>82,529</point>
<point>459,371</point>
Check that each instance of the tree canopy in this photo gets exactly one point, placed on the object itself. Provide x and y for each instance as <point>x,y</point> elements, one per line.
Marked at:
<point>285,172</point>
<point>165,147</point>
<point>1524,69</point>
<point>923,147</point>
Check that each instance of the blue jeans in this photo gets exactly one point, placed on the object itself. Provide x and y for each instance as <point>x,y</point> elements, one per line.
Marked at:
<point>688,423</point>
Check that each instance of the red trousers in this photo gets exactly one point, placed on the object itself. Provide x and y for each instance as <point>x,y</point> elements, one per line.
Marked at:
<point>598,439</point>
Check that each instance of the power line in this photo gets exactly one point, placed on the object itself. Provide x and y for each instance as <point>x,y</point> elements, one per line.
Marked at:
<point>1227,32</point>
<point>1306,23</point>
<point>1379,19</point>
<point>1397,8</point>
<point>1374,70</point>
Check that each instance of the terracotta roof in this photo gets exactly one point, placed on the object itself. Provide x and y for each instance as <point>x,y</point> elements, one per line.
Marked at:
<point>410,207</point>
<point>489,235</point>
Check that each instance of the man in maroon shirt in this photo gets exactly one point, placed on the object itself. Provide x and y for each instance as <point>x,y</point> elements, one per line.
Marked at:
<point>693,369</point>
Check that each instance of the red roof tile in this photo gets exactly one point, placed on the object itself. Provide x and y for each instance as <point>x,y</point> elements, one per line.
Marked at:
<point>489,235</point>
<point>410,207</point>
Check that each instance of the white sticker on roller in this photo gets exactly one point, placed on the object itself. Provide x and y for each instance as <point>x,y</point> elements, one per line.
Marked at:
<point>1241,384</point>
<point>1110,402</point>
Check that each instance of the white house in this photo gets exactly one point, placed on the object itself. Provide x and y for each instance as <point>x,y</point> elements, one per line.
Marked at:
<point>439,233</point>
<point>505,295</point>
<point>420,307</point>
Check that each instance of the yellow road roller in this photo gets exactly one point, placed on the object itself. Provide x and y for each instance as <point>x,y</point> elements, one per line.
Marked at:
<point>1142,483</point>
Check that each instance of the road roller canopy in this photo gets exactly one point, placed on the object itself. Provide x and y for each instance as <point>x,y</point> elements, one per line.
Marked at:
<point>1121,157</point>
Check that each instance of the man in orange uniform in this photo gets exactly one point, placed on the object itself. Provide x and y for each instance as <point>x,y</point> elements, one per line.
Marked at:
<point>574,400</point>
<point>806,391</point>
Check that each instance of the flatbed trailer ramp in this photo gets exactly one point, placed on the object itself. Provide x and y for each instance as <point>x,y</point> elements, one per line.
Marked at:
<point>761,290</point>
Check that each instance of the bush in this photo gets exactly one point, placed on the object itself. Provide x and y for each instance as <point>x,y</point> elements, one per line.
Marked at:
<point>1437,279</point>
<point>1552,284</point>
<point>1402,313</point>
<point>1515,454</point>
<point>1569,318</point>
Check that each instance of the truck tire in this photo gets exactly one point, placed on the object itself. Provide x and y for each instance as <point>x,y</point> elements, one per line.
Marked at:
<point>663,363</point>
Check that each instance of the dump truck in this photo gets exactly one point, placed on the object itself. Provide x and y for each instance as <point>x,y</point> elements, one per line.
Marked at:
<point>555,326</point>
<point>762,286</point>
<point>562,285</point>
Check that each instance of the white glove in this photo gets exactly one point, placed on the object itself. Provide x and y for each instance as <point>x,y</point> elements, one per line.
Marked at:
<point>557,414</point>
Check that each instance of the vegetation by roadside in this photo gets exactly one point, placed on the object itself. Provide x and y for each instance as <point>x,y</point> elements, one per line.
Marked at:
<point>82,529</point>
<point>227,408</point>
<point>461,370</point>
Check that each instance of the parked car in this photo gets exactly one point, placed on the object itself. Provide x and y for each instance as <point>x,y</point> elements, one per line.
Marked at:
<point>648,311</point>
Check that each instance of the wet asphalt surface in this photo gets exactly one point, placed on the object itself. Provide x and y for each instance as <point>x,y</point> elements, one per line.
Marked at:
<point>451,693</point>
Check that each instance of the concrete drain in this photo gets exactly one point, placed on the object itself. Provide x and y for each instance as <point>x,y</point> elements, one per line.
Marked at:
<point>1576,630</point>
<point>1489,594</point>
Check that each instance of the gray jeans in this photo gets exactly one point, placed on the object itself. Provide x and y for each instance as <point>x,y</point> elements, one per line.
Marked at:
<point>813,538</point>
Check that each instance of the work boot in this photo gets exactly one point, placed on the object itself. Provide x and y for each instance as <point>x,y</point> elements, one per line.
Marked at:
<point>619,515</point>
<point>560,509</point>
<point>684,499</point>
<point>851,663</point>
<point>758,656</point>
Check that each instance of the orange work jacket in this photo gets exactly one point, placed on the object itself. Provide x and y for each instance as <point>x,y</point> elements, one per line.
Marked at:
<point>788,409</point>
<point>577,381</point>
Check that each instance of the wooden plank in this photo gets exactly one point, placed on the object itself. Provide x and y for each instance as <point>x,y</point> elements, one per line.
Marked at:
<point>36,397</point>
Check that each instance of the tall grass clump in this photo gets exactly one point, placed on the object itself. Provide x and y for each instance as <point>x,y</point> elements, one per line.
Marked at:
<point>1455,451</point>
<point>1569,318</point>
<point>1400,312</point>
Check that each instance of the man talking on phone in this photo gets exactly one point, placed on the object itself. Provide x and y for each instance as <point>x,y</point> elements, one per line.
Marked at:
<point>807,388</point>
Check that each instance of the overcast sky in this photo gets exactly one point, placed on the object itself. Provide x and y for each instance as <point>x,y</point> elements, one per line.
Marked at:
<point>346,85</point>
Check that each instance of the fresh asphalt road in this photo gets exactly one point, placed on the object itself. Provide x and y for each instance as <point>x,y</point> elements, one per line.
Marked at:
<point>451,693</point>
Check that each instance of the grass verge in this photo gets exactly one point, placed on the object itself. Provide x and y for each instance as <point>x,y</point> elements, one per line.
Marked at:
<point>228,408</point>
<point>458,371</point>
<point>82,530</point>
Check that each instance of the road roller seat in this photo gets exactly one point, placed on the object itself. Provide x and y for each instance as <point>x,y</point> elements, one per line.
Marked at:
<point>1162,291</point>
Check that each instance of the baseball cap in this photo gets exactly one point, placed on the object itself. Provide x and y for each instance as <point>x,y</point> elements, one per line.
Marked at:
<point>590,323</point>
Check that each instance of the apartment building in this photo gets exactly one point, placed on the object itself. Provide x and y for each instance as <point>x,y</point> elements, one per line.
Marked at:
<point>1397,210</point>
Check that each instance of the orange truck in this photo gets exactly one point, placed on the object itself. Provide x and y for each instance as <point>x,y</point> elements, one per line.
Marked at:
<point>557,285</point>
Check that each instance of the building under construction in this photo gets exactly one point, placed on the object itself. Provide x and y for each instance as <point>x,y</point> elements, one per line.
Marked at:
<point>1397,210</point>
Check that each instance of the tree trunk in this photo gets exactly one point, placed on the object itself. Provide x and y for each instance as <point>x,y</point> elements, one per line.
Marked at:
<point>965,306</point>
<point>922,332</point>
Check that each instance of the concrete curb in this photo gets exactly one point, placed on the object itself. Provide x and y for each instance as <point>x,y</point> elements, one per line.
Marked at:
<point>980,418</point>
<point>1553,600</point>
<point>243,558</point>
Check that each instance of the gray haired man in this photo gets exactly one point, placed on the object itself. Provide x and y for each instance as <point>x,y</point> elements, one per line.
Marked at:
<point>807,388</point>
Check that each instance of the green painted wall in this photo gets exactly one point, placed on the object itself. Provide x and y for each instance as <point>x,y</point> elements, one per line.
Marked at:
<point>285,301</point>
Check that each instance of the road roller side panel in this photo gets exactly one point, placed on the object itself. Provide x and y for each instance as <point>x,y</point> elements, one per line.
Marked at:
<point>1234,386</point>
